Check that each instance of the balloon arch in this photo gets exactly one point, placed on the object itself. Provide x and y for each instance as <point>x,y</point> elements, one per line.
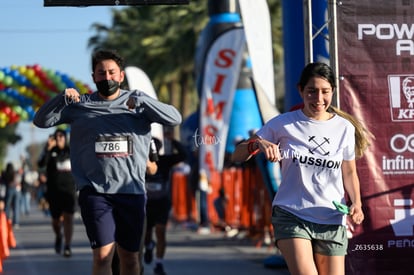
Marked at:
<point>23,89</point>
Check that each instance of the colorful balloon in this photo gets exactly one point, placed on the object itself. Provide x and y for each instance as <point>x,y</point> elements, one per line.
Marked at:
<point>23,89</point>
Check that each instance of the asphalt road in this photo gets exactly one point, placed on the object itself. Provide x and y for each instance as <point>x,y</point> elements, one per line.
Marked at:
<point>187,253</point>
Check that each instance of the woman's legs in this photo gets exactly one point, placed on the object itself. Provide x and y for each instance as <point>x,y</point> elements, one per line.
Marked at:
<point>298,254</point>
<point>301,259</point>
<point>330,264</point>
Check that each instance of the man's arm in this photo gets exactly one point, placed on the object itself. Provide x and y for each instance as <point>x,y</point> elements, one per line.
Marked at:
<point>152,167</point>
<point>154,110</point>
<point>50,113</point>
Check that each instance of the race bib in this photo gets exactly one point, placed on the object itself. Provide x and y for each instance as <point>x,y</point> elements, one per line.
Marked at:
<point>63,166</point>
<point>153,186</point>
<point>113,146</point>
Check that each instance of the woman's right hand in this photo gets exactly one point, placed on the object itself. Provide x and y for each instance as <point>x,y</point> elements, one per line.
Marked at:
<point>270,150</point>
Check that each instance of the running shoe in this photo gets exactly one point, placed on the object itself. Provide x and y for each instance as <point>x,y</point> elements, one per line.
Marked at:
<point>159,269</point>
<point>58,244</point>
<point>148,255</point>
<point>67,252</point>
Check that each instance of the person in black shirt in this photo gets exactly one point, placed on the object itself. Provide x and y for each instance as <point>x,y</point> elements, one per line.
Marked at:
<point>159,200</point>
<point>60,189</point>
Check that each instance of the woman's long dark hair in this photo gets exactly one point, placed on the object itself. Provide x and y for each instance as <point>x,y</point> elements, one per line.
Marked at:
<point>9,173</point>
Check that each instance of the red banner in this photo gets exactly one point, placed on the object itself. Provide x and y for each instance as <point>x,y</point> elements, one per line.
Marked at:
<point>221,74</point>
<point>376,70</point>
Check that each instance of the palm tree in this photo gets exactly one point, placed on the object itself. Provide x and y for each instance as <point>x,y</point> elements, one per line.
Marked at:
<point>161,40</point>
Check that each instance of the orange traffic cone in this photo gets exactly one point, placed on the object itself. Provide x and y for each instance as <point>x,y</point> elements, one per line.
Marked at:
<point>7,239</point>
<point>10,237</point>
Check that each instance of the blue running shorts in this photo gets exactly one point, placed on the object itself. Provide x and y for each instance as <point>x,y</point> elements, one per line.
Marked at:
<point>111,218</point>
<point>158,211</point>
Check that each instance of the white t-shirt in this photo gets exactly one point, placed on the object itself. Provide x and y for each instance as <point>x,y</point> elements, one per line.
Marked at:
<point>312,154</point>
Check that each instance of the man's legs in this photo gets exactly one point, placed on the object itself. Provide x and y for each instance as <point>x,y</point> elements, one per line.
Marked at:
<point>129,262</point>
<point>102,259</point>
<point>68,233</point>
<point>113,218</point>
<point>56,226</point>
<point>149,245</point>
<point>160,232</point>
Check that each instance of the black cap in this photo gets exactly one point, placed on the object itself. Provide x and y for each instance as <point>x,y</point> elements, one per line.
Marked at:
<point>60,131</point>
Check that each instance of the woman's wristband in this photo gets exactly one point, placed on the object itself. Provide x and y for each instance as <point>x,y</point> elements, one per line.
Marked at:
<point>253,147</point>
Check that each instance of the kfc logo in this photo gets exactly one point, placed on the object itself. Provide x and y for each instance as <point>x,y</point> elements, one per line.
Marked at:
<point>401,89</point>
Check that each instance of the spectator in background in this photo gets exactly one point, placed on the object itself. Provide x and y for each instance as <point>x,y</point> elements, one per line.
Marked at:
<point>3,190</point>
<point>41,189</point>
<point>13,178</point>
<point>26,189</point>
<point>61,190</point>
<point>198,186</point>
<point>159,199</point>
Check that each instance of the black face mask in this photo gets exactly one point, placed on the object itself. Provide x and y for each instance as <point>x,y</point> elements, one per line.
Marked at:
<point>107,87</point>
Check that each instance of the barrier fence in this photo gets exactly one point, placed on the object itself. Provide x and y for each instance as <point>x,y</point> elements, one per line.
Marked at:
<point>247,200</point>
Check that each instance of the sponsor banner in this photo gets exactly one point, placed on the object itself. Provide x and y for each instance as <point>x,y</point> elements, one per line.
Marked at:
<point>221,74</point>
<point>257,25</point>
<point>376,70</point>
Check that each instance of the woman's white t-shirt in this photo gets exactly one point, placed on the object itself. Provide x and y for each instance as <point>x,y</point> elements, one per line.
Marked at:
<point>312,153</point>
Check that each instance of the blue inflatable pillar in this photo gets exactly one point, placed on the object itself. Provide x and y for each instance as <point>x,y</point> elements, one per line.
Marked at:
<point>294,44</point>
<point>320,43</point>
<point>294,49</point>
<point>245,115</point>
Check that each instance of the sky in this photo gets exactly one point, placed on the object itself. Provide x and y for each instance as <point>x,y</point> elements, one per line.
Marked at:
<point>52,37</point>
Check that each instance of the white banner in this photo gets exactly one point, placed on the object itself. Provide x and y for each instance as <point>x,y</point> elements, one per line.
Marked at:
<point>221,74</point>
<point>257,25</point>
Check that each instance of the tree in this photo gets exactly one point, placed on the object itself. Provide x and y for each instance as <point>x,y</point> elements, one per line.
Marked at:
<point>161,40</point>
<point>7,136</point>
